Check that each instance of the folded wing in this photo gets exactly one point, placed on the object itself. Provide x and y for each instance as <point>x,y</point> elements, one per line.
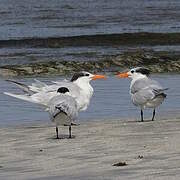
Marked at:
<point>145,90</point>
<point>63,104</point>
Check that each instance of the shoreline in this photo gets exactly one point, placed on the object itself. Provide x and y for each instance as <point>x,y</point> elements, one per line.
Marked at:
<point>157,62</point>
<point>148,149</point>
<point>48,123</point>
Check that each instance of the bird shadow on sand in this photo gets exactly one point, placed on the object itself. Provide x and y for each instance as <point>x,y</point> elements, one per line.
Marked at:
<point>139,121</point>
<point>145,121</point>
<point>62,136</point>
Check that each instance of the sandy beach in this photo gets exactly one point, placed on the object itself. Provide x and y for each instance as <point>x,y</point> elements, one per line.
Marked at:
<point>150,150</point>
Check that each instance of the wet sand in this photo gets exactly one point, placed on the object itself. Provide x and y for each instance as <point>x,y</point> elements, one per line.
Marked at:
<point>151,150</point>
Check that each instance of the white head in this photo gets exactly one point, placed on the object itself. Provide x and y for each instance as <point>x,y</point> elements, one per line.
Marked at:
<point>82,80</point>
<point>85,77</point>
<point>135,73</point>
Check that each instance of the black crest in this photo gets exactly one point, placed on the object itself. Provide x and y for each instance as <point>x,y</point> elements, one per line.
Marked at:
<point>63,90</point>
<point>143,71</point>
<point>76,76</point>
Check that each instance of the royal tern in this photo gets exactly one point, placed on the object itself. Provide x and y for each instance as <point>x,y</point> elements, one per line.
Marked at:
<point>145,92</point>
<point>79,87</point>
<point>62,109</point>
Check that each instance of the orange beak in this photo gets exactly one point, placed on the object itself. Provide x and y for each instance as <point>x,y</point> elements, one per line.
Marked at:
<point>123,75</point>
<point>98,76</point>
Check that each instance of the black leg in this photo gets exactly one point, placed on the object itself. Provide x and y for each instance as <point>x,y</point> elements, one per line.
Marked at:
<point>70,132</point>
<point>142,115</point>
<point>57,135</point>
<point>154,112</point>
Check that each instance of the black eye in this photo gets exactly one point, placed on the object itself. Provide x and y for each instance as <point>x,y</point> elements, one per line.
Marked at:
<point>86,74</point>
<point>132,71</point>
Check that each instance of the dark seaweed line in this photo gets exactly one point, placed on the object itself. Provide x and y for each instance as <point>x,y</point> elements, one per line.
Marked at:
<point>156,62</point>
<point>143,38</point>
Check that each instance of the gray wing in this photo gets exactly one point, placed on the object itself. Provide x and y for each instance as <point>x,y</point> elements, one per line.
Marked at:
<point>39,84</point>
<point>144,90</point>
<point>57,82</point>
<point>145,83</point>
<point>74,90</point>
<point>142,96</point>
<point>36,86</point>
<point>65,104</point>
<point>22,86</point>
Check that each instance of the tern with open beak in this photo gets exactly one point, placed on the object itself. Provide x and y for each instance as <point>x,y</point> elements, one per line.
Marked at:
<point>145,92</point>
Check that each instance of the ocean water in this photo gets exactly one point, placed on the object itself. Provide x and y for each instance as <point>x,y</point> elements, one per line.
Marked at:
<point>55,18</point>
<point>45,19</point>
<point>110,100</point>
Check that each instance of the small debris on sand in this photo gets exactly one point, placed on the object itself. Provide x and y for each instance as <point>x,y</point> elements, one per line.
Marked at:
<point>120,164</point>
<point>140,157</point>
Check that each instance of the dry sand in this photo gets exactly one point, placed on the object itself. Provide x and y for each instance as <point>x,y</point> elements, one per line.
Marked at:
<point>150,149</point>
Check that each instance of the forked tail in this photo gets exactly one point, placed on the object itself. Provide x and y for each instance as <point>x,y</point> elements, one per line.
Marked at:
<point>21,96</point>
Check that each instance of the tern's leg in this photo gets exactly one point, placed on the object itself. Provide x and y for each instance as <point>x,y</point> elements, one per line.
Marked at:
<point>154,112</point>
<point>142,115</point>
<point>70,132</point>
<point>57,135</point>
